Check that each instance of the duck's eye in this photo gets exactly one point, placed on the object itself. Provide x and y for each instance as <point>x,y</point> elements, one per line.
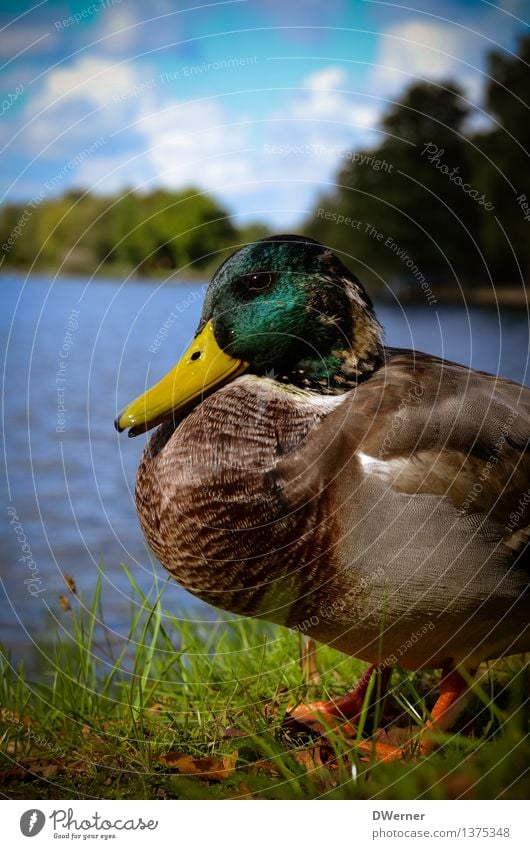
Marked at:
<point>258,281</point>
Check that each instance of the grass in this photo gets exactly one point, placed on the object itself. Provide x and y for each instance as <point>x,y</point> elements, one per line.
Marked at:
<point>195,711</point>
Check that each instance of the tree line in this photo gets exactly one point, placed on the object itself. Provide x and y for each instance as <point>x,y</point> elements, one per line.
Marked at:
<point>147,234</point>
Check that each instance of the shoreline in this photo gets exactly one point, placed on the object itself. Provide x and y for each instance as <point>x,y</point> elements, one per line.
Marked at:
<point>508,296</point>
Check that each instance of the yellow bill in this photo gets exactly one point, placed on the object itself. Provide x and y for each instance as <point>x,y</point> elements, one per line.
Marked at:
<point>203,367</point>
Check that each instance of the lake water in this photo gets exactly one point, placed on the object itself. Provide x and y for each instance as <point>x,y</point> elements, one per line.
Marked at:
<point>69,477</point>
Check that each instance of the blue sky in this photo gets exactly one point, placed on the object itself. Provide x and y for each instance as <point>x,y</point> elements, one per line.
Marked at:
<point>251,100</point>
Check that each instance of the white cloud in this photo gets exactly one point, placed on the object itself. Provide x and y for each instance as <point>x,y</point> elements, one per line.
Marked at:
<point>273,164</point>
<point>151,138</point>
<point>327,78</point>
<point>155,137</point>
<point>429,51</point>
<point>324,104</point>
<point>299,149</point>
<point>324,101</point>
<point>125,29</point>
<point>191,143</point>
<point>109,174</point>
<point>118,30</point>
<point>93,79</point>
<point>79,102</point>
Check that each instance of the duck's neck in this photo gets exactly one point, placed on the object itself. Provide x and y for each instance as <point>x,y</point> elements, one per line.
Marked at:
<point>348,363</point>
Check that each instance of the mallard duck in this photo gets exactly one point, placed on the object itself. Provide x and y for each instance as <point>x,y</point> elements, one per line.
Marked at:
<point>373,498</point>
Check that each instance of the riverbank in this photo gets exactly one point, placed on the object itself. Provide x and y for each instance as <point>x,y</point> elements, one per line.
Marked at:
<point>196,711</point>
<point>509,297</point>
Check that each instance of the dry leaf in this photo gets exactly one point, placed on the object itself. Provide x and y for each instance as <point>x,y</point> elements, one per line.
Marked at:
<point>16,773</point>
<point>50,771</point>
<point>208,769</point>
<point>244,791</point>
<point>47,767</point>
<point>70,583</point>
<point>231,732</point>
<point>268,767</point>
<point>271,709</point>
<point>77,767</point>
<point>316,757</point>
<point>13,717</point>
<point>156,707</point>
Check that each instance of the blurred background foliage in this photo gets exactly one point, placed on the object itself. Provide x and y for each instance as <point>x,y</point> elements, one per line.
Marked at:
<point>147,234</point>
<point>414,197</point>
<point>449,235</point>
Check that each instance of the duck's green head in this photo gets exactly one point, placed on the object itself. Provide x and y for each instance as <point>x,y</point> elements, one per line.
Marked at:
<point>285,307</point>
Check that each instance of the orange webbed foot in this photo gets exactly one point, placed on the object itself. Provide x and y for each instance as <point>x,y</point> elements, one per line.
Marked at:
<point>341,713</point>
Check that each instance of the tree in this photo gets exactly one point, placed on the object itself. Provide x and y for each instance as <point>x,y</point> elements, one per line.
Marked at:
<point>504,168</point>
<point>414,219</point>
<point>147,234</point>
